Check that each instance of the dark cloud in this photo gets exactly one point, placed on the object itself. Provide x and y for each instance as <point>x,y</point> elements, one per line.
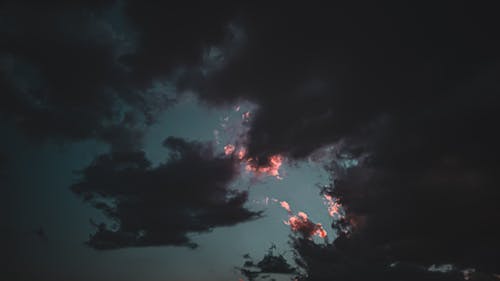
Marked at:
<point>79,70</point>
<point>82,70</point>
<point>173,36</point>
<point>413,89</point>
<point>319,74</point>
<point>355,261</point>
<point>152,206</point>
<point>59,66</point>
<point>418,95</point>
<point>271,263</point>
<point>425,193</point>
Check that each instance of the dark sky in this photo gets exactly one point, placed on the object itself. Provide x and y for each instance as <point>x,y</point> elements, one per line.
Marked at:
<point>152,140</point>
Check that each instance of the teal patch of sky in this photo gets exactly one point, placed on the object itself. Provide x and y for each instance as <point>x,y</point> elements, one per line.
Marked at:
<point>42,174</point>
<point>222,249</point>
<point>38,191</point>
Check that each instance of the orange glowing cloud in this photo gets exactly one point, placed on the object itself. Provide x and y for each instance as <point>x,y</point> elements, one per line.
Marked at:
<point>241,153</point>
<point>272,168</point>
<point>285,206</point>
<point>334,207</point>
<point>229,149</point>
<point>237,151</point>
<point>300,223</point>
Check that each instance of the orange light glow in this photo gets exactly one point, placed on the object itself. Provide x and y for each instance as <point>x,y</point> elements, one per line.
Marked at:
<point>272,168</point>
<point>241,153</point>
<point>334,207</point>
<point>302,215</point>
<point>285,206</point>
<point>229,149</point>
<point>320,231</point>
<point>300,223</point>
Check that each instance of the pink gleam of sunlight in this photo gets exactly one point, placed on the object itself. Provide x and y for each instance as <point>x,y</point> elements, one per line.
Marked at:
<point>229,149</point>
<point>300,223</point>
<point>272,168</point>
<point>333,205</point>
<point>285,206</point>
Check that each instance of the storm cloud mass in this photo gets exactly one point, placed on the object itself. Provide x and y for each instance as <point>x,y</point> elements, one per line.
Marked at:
<point>409,91</point>
<point>154,206</point>
<point>88,70</point>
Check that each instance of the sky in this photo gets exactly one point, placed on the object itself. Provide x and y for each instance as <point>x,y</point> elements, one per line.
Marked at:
<point>153,140</point>
<point>65,220</point>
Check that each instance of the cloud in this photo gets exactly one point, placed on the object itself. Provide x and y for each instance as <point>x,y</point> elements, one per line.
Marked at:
<point>64,72</point>
<point>321,74</point>
<point>162,205</point>
<point>86,70</point>
<point>62,77</point>
<point>271,263</point>
<point>410,89</point>
<point>175,36</point>
<point>426,195</point>
<point>351,261</point>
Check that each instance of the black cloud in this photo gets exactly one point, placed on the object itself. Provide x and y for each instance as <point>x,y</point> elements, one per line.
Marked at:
<point>426,195</point>
<point>161,205</point>
<point>319,74</point>
<point>271,263</point>
<point>85,69</point>
<point>411,88</point>
<point>59,66</point>
<point>355,261</point>
<point>173,36</point>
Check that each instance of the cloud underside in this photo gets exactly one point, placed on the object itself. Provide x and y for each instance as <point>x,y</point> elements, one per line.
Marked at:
<point>162,205</point>
<point>411,89</point>
<point>91,70</point>
<point>272,263</point>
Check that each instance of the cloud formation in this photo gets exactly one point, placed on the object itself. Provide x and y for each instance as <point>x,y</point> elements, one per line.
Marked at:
<point>91,69</point>
<point>162,205</point>
<point>319,75</point>
<point>411,89</point>
<point>425,196</point>
<point>270,264</point>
